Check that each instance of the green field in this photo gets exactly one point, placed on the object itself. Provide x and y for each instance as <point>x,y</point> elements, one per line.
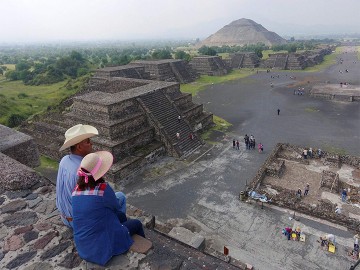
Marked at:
<point>204,80</point>
<point>25,100</point>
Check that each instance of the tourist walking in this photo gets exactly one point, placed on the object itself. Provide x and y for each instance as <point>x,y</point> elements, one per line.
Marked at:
<point>246,139</point>
<point>178,135</point>
<point>310,152</point>
<point>305,153</point>
<point>306,190</point>
<point>237,145</point>
<point>298,193</point>
<point>278,111</point>
<point>179,118</point>
<point>319,153</point>
<point>260,147</point>
<point>343,195</point>
<point>234,143</point>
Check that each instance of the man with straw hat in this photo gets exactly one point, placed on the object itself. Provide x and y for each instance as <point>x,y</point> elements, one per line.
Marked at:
<point>77,138</point>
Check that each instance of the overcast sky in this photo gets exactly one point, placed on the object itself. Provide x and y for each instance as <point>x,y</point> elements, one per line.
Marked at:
<point>67,20</point>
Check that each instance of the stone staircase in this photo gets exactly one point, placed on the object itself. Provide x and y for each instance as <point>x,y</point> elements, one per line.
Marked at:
<point>164,115</point>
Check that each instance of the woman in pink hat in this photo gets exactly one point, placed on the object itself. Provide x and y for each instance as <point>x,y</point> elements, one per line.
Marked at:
<point>101,229</point>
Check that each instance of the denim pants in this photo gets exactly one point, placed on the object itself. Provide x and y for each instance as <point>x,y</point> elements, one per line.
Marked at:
<point>122,201</point>
<point>134,226</point>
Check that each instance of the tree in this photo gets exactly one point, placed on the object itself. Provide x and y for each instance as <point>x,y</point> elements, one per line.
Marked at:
<point>15,120</point>
<point>161,54</point>
<point>182,55</point>
<point>292,48</point>
<point>205,50</point>
<point>258,52</point>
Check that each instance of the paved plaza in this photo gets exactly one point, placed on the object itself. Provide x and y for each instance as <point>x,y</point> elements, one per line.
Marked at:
<point>204,192</point>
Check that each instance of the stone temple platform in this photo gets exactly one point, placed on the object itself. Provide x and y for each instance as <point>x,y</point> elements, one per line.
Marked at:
<point>336,92</point>
<point>285,171</point>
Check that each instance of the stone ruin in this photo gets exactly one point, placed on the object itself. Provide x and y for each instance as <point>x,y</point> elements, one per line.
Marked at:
<point>276,168</point>
<point>336,92</point>
<point>126,71</point>
<point>169,70</point>
<point>330,181</point>
<point>210,65</point>
<point>243,60</point>
<point>282,196</point>
<point>18,152</point>
<point>137,122</point>
<point>295,61</point>
<point>333,161</point>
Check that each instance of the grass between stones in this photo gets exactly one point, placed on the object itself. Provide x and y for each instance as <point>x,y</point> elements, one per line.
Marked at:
<point>46,162</point>
<point>221,125</point>
<point>204,80</point>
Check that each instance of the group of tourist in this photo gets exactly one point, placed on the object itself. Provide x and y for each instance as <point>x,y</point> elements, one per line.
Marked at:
<point>88,204</point>
<point>308,152</point>
<point>306,191</point>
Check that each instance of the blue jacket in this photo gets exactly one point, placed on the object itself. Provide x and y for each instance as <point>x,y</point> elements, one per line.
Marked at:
<point>98,233</point>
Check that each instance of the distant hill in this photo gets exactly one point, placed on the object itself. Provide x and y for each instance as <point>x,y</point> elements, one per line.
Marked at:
<point>241,32</point>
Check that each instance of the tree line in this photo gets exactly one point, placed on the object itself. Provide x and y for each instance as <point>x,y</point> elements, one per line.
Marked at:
<point>37,65</point>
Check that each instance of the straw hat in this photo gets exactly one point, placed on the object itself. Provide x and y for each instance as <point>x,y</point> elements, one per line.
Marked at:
<point>97,164</point>
<point>77,134</point>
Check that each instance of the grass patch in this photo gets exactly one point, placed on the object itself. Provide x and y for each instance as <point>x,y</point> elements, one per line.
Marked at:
<point>204,80</point>
<point>224,55</point>
<point>221,125</point>
<point>311,109</point>
<point>27,100</point>
<point>334,150</point>
<point>46,162</point>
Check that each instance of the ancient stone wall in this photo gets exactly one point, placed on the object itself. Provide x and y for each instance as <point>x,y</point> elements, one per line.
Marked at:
<point>276,168</point>
<point>114,85</point>
<point>259,177</point>
<point>19,146</point>
<point>209,65</point>
<point>330,181</point>
<point>127,71</point>
<point>323,210</point>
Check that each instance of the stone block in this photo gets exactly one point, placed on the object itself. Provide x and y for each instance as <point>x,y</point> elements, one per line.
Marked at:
<point>21,259</point>
<point>23,229</point>
<point>20,219</point>
<point>16,176</point>
<point>42,242</point>
<point>188,237</point>
<point>13,243</point>
<point>141,244</point>
<point>19,146</point>
<point>13,206</point>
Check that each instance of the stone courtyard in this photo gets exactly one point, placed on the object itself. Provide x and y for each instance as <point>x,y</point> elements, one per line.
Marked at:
<point>327,176</point>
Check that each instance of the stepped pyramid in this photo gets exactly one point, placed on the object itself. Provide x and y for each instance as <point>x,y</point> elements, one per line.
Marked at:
<point>137,121</point>
<point>242,32</point>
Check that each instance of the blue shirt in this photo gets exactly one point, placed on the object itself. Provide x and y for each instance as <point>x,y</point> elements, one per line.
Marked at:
<point>66,181</point>
<point>98,232</point>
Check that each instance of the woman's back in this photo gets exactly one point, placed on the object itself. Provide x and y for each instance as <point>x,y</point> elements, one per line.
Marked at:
<point>98,233</point>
